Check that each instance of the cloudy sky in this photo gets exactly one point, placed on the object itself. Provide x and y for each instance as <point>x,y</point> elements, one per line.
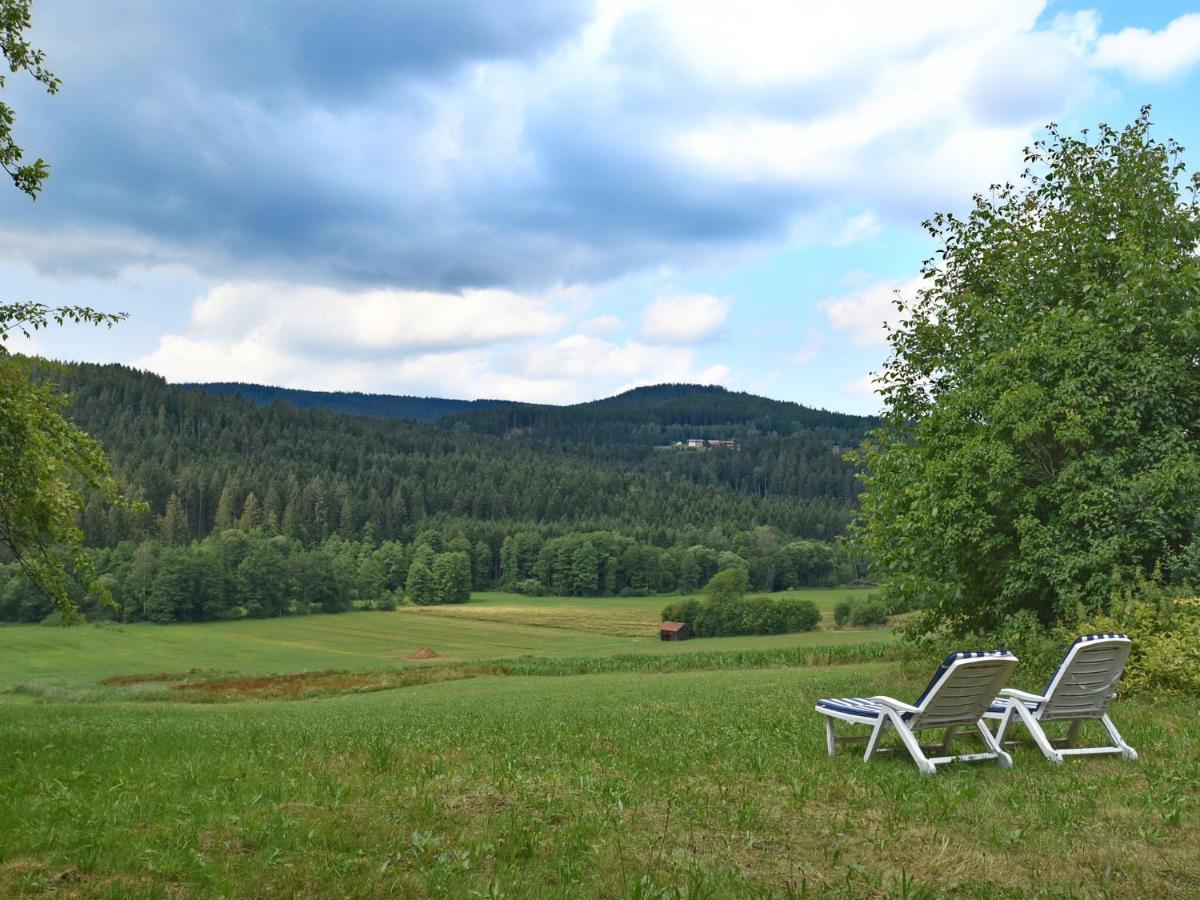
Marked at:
<point>536,200</point>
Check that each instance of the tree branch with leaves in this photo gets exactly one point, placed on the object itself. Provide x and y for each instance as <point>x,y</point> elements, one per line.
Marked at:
<point>47,464</point>
<point>20,56</point>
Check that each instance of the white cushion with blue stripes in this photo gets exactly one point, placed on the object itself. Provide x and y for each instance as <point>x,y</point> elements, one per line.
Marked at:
<point>869,709</point>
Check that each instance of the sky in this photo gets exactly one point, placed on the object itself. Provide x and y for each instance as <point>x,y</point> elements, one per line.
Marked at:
<point>549,202</point>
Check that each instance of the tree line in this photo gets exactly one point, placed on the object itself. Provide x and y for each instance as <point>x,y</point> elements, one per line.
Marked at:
<point>254,573</point>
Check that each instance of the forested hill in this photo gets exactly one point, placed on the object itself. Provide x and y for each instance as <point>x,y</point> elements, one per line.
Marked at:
<point>663,413</point>
<point>312,473</point>
<point>781,449</point>
<point>381,406</point>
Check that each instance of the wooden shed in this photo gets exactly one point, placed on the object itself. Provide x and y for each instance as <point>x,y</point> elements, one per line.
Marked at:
<point>674,631</point>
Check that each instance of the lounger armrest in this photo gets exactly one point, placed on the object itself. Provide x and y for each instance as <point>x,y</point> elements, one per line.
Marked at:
<point>1014,694</point>
<point>895,704</point>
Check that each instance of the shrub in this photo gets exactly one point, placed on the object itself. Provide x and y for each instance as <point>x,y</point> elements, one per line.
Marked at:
<point>1165,632</point>
<point>868,611</point>
<point>530,587</point>
<point>860,612</point>
<point>1166,642</point>
<point>745,615</point>
<point>841,612</point>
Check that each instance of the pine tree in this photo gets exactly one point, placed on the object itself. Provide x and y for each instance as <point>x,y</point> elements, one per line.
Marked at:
<point>172,525</point>
<point>226,516</point>
<point>251,514</point>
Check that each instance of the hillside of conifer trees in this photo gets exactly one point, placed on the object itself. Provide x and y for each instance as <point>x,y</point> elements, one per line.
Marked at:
<point>264,510</point>
<point>205,463</point>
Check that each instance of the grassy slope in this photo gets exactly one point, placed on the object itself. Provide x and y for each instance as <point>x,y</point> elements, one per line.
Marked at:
<point>714,782</point>
<point>493,626</point>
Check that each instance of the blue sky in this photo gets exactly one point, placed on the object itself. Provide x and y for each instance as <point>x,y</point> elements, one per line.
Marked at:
<point>540,201</point>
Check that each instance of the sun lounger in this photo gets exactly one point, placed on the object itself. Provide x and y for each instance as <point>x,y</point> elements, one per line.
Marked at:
<point>1079,692</point>
<point>959,693</point>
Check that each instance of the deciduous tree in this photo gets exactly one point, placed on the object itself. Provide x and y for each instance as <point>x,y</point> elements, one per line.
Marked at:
<point>1042,438</point>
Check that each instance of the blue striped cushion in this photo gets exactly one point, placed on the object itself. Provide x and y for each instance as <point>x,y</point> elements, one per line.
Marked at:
<point>855,706</point>
<point>999,706</point>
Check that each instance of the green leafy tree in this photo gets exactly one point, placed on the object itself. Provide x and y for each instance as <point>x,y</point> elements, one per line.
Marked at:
<point>317,582</point>
<point>419,584</point>
<point>264,583</point>
<point>1042,437</point>
<point>585,570</point>
<point>20,56</point>
<point>451,577</point>
<point>45,462</point>
<point>47,468</point>
<point>728,584</point>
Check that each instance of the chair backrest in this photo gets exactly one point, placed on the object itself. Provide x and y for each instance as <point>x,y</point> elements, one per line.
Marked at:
<point>1087,677</point>
<point>963,687</point>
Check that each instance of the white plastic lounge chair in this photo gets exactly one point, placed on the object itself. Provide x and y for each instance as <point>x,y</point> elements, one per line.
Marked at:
<point>1079,692</point>
<point>959,693</point>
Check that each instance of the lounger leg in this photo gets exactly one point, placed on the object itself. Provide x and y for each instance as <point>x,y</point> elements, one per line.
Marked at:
<point>876,733</point>
<point>951,730</point>
<point>1005,722</point>
<point>1038,734</point>
<point>830,739</point>
<point>1126,751</point>
<point>1072,732</point>
<point>1002,758</point>
<point>912,744</point>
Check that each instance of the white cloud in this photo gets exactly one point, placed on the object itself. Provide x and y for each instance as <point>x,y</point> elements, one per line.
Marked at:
<point>601,325</point>
<point>684,320</point>
<point>1152,55</point>
<point>862,313</point>
<point>479,344</point>
<point>808,349</point>
<point>327,321</point>
<point>862,387</point>
<point>858,228</point>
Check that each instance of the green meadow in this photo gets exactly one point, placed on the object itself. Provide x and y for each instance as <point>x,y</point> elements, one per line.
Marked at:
<point>559,757</point>
<point>491,626</point>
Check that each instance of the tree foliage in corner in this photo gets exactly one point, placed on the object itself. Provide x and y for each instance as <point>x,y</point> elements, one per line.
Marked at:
<point>45,462</point>
<point>20,57</point>
<point>46,465</point>
<point>1042,438</point>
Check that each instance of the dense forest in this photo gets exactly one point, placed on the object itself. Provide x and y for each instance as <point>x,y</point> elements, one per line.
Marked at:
<point>204,463</point>
<point>582,500</point>
<point>782,449</point>
<point>382,406</point>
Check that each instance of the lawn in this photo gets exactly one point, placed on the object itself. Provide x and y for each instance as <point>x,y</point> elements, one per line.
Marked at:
<point>547,754</point>
<point>704,784</point>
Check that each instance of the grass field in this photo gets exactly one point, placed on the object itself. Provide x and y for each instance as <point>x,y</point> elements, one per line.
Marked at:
<point>491,626</point>
<point>639,782</point>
